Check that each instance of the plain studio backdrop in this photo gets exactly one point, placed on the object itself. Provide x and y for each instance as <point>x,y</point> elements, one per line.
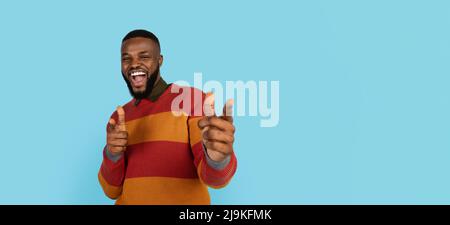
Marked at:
<point>364,95</point>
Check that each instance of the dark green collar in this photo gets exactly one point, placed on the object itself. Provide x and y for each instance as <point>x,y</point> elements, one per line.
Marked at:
<point>157,91</point>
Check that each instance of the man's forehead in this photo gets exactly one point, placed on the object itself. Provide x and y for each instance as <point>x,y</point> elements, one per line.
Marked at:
<point>138,44</point>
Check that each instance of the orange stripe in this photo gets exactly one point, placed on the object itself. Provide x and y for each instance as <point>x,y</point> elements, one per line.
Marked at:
<point>194,131</point>
<point>163,191</point>
<point>158,127</point>
<point>111,191</point>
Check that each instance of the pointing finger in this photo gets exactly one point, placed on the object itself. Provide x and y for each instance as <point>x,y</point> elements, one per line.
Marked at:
<point>111,124</point>
<point>208,104</point>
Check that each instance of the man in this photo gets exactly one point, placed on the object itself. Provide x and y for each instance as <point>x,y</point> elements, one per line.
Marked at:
<point>153,156</point>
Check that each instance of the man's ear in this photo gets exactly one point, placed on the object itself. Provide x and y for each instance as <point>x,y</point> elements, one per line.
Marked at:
<point>161,59</point>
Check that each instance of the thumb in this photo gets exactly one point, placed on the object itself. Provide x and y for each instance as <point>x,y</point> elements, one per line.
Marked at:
<point>228,110</point>
<point>121,114</point>
<point>208,104</point>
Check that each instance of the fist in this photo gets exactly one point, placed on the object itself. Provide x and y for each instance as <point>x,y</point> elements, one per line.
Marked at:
<point>217,131</point>
<point>117,135</point>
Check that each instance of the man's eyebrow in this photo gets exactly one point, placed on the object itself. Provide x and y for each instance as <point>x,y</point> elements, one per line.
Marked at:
<point>144,52</point>
<point>124,54</point>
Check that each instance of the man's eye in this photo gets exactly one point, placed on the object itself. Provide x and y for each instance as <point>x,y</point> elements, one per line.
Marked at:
<point>125,59</point>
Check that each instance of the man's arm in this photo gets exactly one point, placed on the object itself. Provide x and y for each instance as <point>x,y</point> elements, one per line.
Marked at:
<point>216,163</point>
<point>112,170</point>
<point>111,175</point>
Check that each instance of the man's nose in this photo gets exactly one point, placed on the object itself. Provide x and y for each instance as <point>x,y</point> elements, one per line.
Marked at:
<point>135,63</point>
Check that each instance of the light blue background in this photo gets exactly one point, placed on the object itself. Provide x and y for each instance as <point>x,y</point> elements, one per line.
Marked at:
<point>364,95</point>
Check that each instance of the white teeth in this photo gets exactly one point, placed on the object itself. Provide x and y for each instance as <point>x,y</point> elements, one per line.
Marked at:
<point>137,73</point>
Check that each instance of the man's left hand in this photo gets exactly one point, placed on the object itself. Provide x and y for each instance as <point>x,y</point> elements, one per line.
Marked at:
<point>217,131</point>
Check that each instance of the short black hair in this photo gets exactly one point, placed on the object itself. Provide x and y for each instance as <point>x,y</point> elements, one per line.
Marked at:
<point>142,33</point>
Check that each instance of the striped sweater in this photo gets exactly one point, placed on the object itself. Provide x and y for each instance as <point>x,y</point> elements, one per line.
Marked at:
<point>165,162</point>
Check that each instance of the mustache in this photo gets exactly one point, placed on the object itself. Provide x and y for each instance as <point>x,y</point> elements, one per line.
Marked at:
<point>148,88</point>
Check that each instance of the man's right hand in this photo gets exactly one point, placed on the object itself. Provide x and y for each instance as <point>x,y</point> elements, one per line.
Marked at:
<point>117,135</point>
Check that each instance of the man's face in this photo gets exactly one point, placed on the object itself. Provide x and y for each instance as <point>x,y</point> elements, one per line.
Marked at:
<point>141,60</point>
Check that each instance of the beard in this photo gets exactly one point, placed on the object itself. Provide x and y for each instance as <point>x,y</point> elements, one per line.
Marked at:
<point>148,87</point>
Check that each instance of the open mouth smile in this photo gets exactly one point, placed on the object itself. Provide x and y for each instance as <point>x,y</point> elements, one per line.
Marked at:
<point>138,77</point>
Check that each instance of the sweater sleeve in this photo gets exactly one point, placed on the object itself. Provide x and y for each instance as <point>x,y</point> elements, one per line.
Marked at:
<point>213,176</point>
<point>112,173</point>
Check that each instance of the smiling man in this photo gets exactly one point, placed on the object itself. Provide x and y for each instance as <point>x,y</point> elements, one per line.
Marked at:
<point>153,156</point>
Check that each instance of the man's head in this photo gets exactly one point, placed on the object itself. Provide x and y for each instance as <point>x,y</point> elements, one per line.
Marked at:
<point>141,58</point>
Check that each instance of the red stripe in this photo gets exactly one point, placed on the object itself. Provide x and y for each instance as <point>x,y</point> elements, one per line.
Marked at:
<point>219,177</point>
<point>163,104</point>
<point>160,159</point>
<point>112,172</point>
<point>197,150</point>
